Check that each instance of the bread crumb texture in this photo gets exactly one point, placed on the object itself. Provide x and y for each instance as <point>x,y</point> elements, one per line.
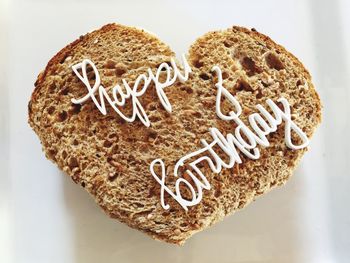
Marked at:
<point>110,158</point>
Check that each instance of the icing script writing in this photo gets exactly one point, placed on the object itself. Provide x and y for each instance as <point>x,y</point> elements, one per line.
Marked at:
<point>140,86</point>
<point>244,140</point>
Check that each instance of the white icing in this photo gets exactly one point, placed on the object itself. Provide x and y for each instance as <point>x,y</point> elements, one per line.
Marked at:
<point>141,84</point>
<point>244,139</point>
<point>262,124</point>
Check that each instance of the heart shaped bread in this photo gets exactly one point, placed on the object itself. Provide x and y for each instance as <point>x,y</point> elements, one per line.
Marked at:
<point>111,157</point>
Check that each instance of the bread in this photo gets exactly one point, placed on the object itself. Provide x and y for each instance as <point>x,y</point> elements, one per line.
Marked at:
<point>110,158</point>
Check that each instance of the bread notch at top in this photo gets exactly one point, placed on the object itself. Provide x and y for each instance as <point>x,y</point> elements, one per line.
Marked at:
<point>170,145</point>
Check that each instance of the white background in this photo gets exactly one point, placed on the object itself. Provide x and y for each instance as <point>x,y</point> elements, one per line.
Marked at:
<point>44,217</point>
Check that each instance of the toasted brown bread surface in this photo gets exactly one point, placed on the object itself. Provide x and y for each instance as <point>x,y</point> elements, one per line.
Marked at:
<point>110,158</point>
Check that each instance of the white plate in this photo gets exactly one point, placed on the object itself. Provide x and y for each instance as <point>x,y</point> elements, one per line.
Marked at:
<point>44,217</point>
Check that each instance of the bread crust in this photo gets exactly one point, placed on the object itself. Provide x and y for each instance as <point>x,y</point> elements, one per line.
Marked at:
<point>102,155</point>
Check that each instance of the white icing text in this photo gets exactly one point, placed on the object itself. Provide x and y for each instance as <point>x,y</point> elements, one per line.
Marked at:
<point>244,140</point>
<point>141,84</point>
